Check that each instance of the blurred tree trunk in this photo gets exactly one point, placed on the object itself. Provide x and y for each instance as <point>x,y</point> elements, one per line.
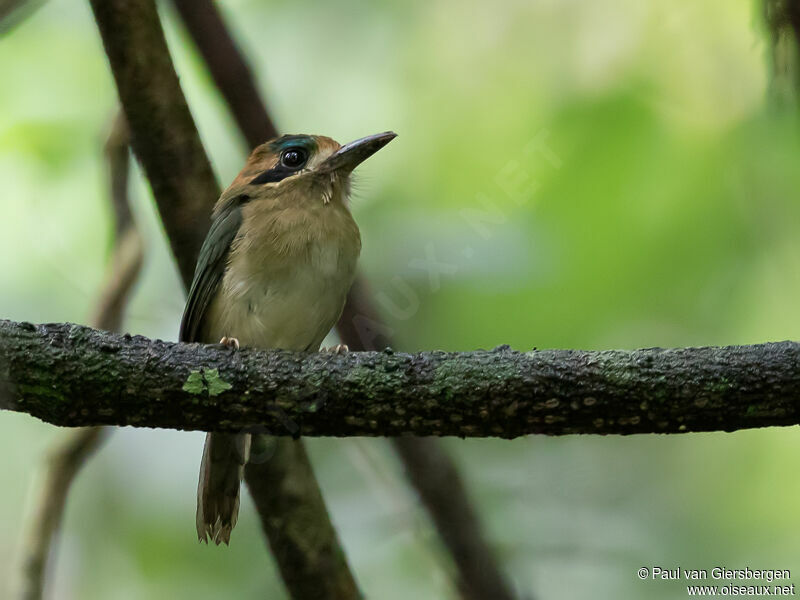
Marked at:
<point>66,459</point>
<point>783,21</point>
<point>166,141</point>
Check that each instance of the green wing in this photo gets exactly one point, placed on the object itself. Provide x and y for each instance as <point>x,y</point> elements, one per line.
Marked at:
<point>210,270</point>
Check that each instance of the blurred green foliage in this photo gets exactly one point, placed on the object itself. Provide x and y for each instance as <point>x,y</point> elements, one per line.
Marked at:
<point>587,174</point>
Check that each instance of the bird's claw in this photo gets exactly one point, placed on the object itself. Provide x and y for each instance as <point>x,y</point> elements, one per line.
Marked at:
<point>230,342</point>
<point>337,349</point>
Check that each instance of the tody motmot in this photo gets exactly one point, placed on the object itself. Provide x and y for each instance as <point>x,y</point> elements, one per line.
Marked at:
<point>273,272</point>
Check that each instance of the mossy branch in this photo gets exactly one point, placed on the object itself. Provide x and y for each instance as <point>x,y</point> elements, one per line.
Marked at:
<point>72,375</point>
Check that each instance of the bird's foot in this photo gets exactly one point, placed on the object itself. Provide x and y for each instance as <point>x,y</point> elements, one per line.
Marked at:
<point>230,342</point>
<point>337,349</point>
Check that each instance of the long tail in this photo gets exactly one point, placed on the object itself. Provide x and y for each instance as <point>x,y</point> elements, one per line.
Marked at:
<point>221,471</point>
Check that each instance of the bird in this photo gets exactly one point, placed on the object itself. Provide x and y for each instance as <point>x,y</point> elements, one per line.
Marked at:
<point>273,272</point>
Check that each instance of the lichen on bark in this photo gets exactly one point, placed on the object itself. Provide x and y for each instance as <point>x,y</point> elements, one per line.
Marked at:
<point>74,376</point>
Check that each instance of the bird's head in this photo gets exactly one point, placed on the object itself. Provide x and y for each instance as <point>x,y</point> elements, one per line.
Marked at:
<point>314,166</point>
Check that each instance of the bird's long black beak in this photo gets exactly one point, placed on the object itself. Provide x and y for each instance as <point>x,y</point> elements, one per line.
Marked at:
<point>349,156</point>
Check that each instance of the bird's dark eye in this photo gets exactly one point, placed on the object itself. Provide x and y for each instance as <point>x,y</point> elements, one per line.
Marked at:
<point>293,158</point>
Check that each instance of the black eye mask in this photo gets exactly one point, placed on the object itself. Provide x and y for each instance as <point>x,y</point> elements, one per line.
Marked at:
<point>290,162</point>
<point>274,174</point>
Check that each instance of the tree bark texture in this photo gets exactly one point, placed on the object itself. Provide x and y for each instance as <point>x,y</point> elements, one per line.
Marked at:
<point>73,375</point>
<point>163,134</point>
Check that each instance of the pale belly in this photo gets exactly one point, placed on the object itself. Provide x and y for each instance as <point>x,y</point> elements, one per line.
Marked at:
<point>290,304</point>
